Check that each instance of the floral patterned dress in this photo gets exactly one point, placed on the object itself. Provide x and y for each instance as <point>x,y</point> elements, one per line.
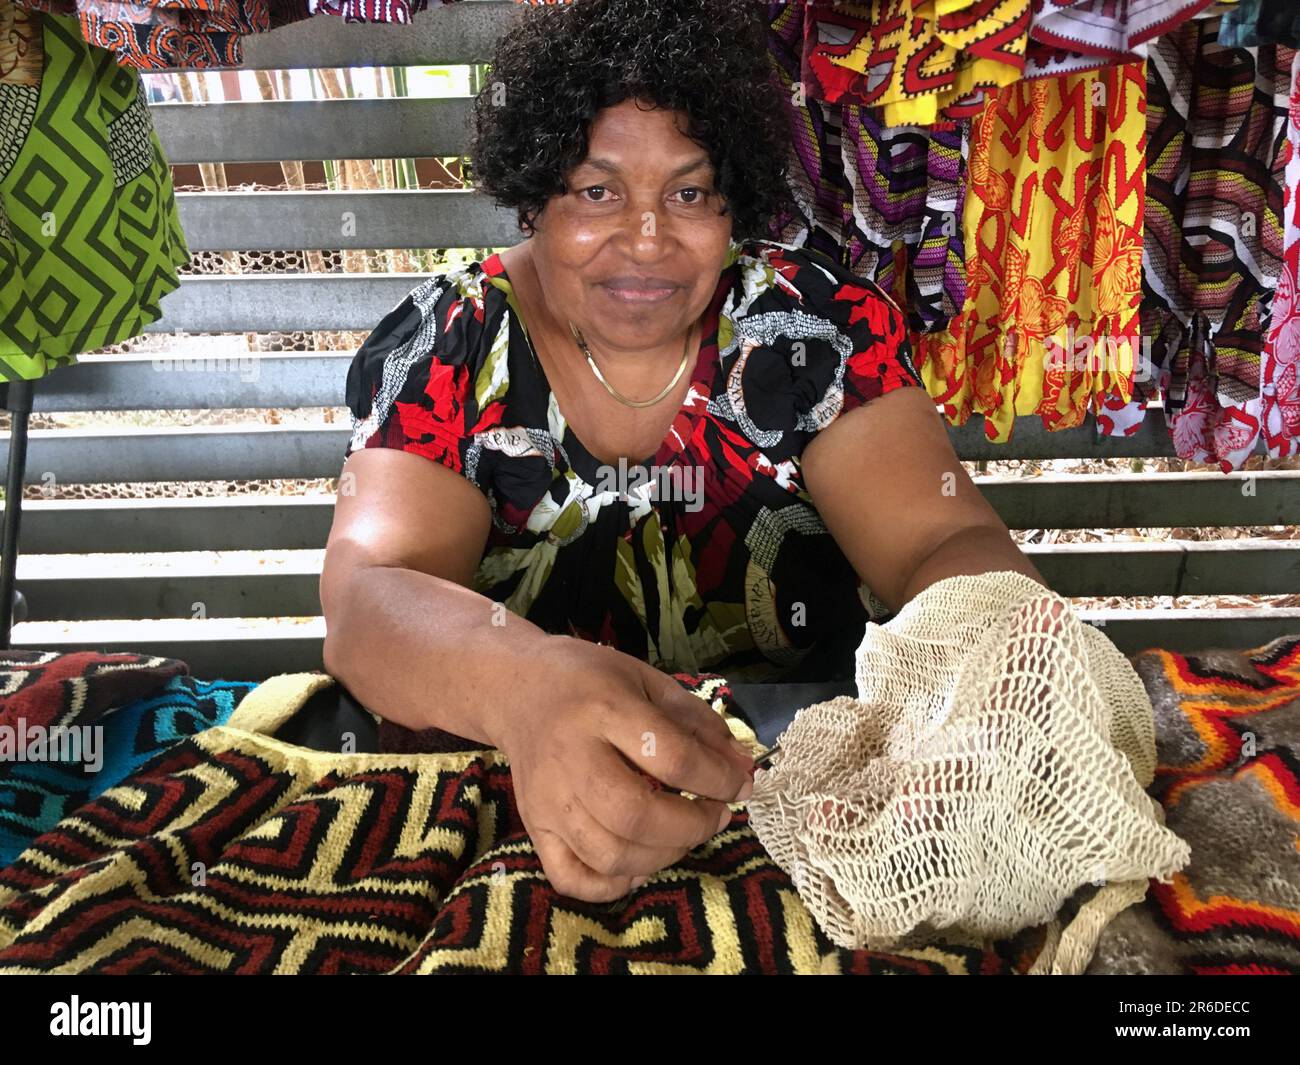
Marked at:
<point>708,555</point>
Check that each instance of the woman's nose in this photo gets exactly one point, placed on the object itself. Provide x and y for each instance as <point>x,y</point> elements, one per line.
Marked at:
<point>647,230</point>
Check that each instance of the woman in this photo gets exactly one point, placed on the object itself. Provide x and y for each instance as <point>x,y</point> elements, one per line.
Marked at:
<point>494,549</point>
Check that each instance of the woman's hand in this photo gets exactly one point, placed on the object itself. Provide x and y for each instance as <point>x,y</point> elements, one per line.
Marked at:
<point>605,735</point>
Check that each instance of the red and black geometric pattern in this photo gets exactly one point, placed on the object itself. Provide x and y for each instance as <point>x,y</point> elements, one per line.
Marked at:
<point>237,853</point>
<point>50,688</point>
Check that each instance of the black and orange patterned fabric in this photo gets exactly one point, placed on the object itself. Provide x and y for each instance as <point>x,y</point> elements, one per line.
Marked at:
<point>201,34</point>
<point>1227,757</point>
<point>708,554</point>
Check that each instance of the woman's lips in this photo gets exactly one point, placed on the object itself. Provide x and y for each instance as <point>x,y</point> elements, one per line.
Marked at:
<point>637,291</point>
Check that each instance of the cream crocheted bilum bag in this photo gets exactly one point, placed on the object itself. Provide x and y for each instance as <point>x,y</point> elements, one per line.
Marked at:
<point>991,768</point>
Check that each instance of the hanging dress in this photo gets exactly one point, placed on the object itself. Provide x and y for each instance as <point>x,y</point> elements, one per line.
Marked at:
<point>1054,251</point>
<point>918,62</point>
<point>884,201</point>
<point>1213,234</point>
<point>1069,36</point>
<point>178,33</point>
<point>90,240</point>
<point>1280,394</point>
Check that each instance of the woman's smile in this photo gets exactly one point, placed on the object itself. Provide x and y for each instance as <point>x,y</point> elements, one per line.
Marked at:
<point>631,290</point>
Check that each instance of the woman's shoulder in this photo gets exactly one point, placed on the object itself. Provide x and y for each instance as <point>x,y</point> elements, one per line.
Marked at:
<point>450,314</point>
<point>804,339</point>
<point>772,274</point>
<point>435,346</point>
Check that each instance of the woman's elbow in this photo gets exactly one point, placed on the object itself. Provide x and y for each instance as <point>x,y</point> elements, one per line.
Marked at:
<point>336,599</point>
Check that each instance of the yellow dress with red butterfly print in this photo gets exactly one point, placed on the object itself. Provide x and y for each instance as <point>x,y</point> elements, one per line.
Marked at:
<point>1053,235</point>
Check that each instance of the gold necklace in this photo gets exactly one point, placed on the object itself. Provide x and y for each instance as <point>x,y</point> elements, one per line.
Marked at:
<point>681,369</point>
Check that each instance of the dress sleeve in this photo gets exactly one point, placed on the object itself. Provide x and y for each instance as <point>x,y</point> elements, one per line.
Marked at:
<point>411,385</point>
<point>827,341</point>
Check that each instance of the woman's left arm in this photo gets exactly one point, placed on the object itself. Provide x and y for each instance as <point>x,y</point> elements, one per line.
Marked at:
<point>891,490</point>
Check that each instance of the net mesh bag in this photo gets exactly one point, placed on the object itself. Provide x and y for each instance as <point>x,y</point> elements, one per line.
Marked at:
<point>992,766</point>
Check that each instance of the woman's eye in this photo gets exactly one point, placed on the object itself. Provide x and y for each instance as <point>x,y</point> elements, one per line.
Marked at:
<point>599,190</point>
<point>693,195</point>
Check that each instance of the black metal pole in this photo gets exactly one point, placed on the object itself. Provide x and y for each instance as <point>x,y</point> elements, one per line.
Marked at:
<point>18,401</point>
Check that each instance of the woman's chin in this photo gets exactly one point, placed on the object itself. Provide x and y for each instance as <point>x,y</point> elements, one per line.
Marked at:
<point>635,336</point>
<point>634,324</point>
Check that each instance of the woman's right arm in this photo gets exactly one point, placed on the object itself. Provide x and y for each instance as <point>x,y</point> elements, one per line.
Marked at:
<point>405,633</point>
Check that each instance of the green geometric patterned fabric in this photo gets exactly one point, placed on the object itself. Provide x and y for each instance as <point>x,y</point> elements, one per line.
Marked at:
<point>89,234</point>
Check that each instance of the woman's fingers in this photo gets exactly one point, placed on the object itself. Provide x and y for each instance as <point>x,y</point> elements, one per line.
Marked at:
<point>679,747</point>
<point>695,716</point>
<point>606,854</point>
<point>619,796</point>
<point>570,876</point>
<point>583,859</point>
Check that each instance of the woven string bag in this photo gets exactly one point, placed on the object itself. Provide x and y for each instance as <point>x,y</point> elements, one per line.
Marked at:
<point>992,765</point>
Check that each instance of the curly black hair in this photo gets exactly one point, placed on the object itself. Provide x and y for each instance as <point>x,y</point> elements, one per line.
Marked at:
<point>555,67</point>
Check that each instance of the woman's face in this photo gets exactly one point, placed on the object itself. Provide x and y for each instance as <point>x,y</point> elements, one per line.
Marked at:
<point>631,251</point>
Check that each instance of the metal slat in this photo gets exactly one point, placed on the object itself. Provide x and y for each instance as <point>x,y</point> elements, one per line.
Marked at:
<point>282,304</point>
<point>1216,567</point>
<point>235,592</point>
<point>1148,500</point>
<point>201,382</point>
<point>271,221</point>
<point>247,588</point>
<point>235,523</point>
<point>439,36</point>
<point>212,453</point>
<point>246,523</point>
<point>273,130</point>
<point>270,452</point>
<point>1031,440</point>
<point>1194,630</point>
<point>290,649</point>
<point>251,656</point>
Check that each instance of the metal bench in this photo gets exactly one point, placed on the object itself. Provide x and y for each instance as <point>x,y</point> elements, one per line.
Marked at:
<point>155,610</point>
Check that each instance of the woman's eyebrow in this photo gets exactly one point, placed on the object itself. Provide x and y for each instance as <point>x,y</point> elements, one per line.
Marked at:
<point>609,167</point>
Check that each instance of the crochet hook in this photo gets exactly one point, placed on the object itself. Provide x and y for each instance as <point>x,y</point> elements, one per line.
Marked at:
<point>761,761</point>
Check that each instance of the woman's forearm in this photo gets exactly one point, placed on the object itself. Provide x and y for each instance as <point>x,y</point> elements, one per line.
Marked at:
<point>426,652</point>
